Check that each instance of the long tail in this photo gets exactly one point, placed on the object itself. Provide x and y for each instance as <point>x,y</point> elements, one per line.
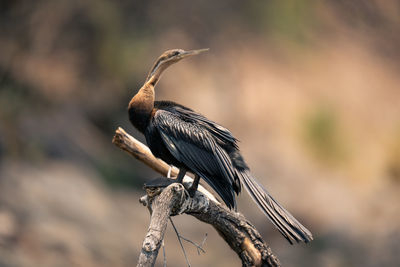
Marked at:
<point>289,227</point>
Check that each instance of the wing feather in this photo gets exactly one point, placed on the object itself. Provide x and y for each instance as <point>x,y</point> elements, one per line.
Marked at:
<point>222,134</point>
<point>193,145</point>
<point>209,151</point>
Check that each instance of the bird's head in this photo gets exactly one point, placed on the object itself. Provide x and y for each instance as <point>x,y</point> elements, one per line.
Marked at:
<point>174,55</point>
<point>168,58</point>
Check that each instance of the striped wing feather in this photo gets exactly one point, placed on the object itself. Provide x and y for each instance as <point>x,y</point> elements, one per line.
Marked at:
<point>194,146</point>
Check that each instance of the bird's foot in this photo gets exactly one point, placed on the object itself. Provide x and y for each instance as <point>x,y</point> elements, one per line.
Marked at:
<point>192,191</point>
<point>159,182</point>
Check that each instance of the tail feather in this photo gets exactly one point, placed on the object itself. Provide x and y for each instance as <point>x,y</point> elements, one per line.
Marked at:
<point>289,227</point>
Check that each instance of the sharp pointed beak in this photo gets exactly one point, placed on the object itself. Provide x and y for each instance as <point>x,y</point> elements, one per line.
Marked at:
<point>194,52</point>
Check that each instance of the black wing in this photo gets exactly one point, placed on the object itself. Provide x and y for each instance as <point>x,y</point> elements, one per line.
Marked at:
<point>209,150</point>
<point>223,135</point>
<point>197,147</point>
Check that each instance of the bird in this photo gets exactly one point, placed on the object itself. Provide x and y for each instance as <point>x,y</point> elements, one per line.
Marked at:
<point>193,143</point>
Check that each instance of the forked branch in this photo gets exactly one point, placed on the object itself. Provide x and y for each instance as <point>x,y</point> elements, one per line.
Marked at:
<point>173,200</point>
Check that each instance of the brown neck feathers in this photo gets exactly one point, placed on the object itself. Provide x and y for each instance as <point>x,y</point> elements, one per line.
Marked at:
<point>141,106</point>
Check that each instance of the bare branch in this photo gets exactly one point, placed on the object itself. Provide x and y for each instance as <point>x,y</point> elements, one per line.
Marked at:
<point>173,200</point>
<point>198,247</point>
<point>141,152</point>
<point>180,242</point>
<point>134,147</point>
<point>161,206</point>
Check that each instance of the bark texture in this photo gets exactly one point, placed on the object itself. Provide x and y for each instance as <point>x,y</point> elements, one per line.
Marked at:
<point>174,199</point>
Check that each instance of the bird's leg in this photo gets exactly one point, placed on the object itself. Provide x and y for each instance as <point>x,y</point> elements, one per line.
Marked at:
<point>192,190</point>
<point>181,174</point>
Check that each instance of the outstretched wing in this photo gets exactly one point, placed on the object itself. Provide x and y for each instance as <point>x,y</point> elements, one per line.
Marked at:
<point>196,147</point>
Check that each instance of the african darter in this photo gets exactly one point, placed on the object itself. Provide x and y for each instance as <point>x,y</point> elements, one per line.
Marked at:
<point>188,140</point>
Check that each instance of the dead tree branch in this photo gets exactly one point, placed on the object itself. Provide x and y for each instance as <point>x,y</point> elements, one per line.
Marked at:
<point>173,200</point>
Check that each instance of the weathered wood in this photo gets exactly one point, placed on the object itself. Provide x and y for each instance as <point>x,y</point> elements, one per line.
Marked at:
<point>240,235</point>
<point>161,209</point>
<point>134,147</point>
<point>173,200</point>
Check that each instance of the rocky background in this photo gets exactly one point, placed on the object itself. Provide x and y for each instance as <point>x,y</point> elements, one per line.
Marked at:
<point>311,88</point>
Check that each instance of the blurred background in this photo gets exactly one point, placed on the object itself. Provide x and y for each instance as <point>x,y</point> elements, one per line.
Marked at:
<point>311,88</point>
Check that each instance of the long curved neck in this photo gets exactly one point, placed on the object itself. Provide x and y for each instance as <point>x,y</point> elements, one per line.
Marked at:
<point>155,73</point>
<point>141,105</point>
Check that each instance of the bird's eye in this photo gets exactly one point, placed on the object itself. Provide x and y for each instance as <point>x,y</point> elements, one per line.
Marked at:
<point>175,53</point>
